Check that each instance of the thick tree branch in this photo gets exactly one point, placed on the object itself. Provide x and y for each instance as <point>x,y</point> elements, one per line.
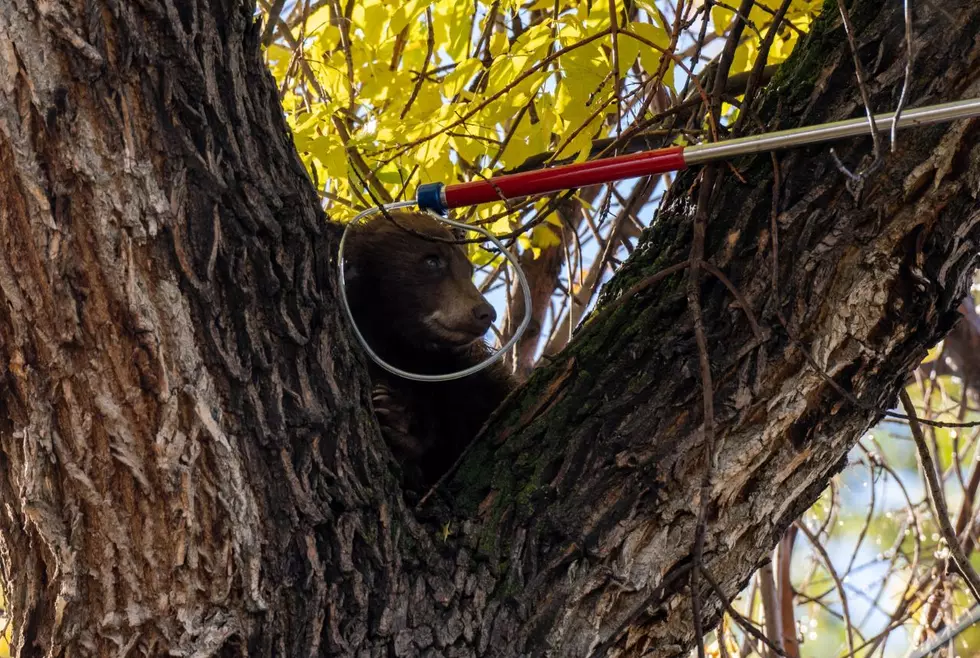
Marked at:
<point>592,498</point>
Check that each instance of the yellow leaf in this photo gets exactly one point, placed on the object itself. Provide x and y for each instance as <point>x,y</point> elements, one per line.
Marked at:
<point>933,353</point>
<point>439,168</point>
<point>318,20</point>
<point>784,47</point>
<point>498,44</point>
<point>587,66</point>
<point>581,144</point>
<point>333,78</point>
<point>327,40</point>
<point>519,148</point>
<point>449,16</point>
<point>405,13</point>
<point>370,18</point>
<point>594,16</point>
<point>469,149</point>
<point>548,123</point>
<point>629,48</point>
<point>457,80</point>
<point>721,18</point>
<point>745,56</point>
<point>651,56</point>
<point>501,227</point>
<point>505,70</point>
<point>544,236</point>
<point>570,32</point>
<point>654,32</point>
<point>390,175</point>
<point>330,151</point>
<point>565,99</point>
<point>426,104</point>
<point>533,39</point>
<point>481,257</point>
<point>552,217</point>
<point>278,59</point>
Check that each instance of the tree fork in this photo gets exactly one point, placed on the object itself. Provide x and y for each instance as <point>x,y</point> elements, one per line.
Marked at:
<point>190,464</point>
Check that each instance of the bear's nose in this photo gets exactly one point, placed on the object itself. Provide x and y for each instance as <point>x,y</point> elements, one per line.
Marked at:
<point>485,314</point>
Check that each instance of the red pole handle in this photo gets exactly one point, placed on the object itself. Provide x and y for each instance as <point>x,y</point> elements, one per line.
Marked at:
<point>565,177</point>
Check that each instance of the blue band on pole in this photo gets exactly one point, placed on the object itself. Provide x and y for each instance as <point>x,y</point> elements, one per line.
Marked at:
<point>429,197</point>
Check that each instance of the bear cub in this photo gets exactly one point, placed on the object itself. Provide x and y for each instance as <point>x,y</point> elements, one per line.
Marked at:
<point>416,305</point>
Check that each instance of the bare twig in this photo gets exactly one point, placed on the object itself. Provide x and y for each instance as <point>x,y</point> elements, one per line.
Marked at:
<point>770,606</point>
<point>269,31</point>
<point>727,57</point>
<point>865,96</point>
<point>745,624</point>
<point>760,63</point>
<point>787,617</point>
<point>707,389</point>
<point>829,566</point>
<point>430,42</point>
<point>614,36</point>
<point>960,560</point>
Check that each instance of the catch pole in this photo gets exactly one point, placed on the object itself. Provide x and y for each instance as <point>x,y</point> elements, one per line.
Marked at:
<point>440,198</point>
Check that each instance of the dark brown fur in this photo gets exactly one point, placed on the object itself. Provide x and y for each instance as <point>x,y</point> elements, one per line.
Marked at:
<point>415,302</point>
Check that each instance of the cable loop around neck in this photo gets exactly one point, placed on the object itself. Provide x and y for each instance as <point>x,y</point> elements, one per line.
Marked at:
<point>493,358</point>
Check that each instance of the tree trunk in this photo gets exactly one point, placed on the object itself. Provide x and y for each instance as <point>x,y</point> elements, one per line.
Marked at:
<point>190,464</point>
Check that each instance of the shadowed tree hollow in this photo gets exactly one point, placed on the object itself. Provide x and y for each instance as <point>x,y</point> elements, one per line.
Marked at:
<point>190,465</point>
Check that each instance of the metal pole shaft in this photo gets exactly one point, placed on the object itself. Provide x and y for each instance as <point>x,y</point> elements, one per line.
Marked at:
<point>710,152</point>
<point>439,198</point>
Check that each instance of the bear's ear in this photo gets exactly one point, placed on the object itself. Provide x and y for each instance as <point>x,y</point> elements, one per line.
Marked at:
<point>458,233</point>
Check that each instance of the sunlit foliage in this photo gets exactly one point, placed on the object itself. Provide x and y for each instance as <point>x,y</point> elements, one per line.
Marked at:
<point>382,96</point>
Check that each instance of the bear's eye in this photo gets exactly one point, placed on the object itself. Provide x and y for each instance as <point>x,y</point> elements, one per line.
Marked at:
<point>433,262</point>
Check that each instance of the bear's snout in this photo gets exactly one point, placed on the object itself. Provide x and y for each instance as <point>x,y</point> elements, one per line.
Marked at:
<point>485,315</point>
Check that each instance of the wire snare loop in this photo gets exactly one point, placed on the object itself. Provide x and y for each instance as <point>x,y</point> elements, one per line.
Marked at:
<point>496,356</point>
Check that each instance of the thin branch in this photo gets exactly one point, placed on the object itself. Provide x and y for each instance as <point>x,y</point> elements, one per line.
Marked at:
<point>829,566</point>
<point>614,35</point>
<point>865,96</point>
<point>770,605</point>
<point>269,31</point>
<point>430,41</point>
<point>960,559</point>
<point>760,63</point>
<point>707,389</point>
<point>785,589</point>
<point>745,624</point>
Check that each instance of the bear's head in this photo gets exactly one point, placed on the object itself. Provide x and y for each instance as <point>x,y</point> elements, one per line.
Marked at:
<point>408,291</point>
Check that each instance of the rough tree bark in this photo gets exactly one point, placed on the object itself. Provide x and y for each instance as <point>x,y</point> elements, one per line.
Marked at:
<point>189,462</point>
